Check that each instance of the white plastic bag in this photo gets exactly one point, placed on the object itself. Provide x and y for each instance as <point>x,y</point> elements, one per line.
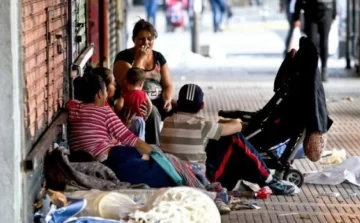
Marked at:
<point>105,204</point>
<point>336,157</point>
<point>295,37</point>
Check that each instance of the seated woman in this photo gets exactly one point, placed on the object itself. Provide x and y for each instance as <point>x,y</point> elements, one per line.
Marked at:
<point>126,116</point>
<point>93,127</point>
<point>158,83</point>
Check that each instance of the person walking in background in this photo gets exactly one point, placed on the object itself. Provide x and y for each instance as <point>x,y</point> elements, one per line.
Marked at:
<point>255,2</point>
<point>318,17</point>
<point>229,10</point>
<point>218,8</point>
<point>151,8</point>
<point>289,11</point>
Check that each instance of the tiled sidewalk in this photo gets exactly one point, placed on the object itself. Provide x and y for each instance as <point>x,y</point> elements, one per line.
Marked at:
<point>309,205</point>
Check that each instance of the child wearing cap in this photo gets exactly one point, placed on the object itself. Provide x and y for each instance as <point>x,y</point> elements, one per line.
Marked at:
<point>133,97</point>
<point>186,135</point>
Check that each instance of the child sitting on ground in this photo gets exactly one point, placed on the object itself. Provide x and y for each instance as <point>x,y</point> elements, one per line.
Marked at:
<point>132,98</point>
<point>186,135</point>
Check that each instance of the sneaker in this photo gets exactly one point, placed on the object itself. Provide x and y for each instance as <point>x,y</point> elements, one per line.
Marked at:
<point>222,207</point>
<point>279,188</point>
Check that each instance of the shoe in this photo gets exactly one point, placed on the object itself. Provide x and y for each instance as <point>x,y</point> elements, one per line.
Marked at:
<point>324,75</point>
<point>279,188</point>
<point>222,207</point>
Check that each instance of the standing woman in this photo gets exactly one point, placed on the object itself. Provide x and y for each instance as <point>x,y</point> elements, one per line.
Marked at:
<point>158,84</point>
<point>318,16</point>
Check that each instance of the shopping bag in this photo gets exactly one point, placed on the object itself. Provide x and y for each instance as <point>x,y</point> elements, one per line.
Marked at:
<point>295,37</point>
<point>167,166</point>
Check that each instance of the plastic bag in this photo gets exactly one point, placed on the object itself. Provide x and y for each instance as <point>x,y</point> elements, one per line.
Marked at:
<point>336,157</point>
<point>295,37</point>
<point>105,204</point>
<point>178,204</point>
<point>167,166</point>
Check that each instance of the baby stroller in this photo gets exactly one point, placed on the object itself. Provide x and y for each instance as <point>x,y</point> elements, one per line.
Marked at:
<point>290,113</point>
<point>175,14</point>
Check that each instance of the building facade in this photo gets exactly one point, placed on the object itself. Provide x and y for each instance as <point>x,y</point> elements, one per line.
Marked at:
<point>45,44</point>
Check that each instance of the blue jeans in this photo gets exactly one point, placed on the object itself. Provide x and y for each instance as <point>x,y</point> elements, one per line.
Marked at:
<point>151,8</point>
<point>128,166</point>
<point>218,8</point>
<point>138,127</point>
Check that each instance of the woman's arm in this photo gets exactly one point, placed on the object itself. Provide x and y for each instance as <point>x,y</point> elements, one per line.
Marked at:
<point>143,147</point>
<point>166,84</point>
<point>120,132</point>
<point>121,66</point>
<point>148,106</point>
<point>120,70</point>
<point>119,105</point>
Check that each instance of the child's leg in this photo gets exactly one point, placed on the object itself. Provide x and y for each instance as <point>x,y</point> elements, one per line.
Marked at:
<point>222,199</point>
<point>138,127</point>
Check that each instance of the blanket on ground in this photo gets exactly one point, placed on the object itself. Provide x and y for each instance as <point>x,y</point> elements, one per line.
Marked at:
<point>60,173</point>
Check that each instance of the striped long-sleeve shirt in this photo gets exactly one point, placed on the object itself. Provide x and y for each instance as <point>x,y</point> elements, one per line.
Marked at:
<point>96,129</point>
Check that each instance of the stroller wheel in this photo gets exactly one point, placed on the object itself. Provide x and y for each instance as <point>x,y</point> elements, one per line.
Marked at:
<point>294,176</point>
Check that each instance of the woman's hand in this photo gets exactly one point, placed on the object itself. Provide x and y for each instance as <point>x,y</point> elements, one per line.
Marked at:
<point>142,52</point>
<point>144,109</point>
<point>145,157</point>
<point>167,105</point>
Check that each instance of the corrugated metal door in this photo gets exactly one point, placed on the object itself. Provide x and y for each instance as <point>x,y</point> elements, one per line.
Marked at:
<point>122,27</point>
<point>113,42</point>
<point>78,27</point>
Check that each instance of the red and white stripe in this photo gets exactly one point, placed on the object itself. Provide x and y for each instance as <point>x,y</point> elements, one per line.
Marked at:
<point>96,129</point>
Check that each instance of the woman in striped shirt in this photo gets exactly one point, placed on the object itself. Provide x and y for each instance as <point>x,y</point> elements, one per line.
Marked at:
<point>93,127</point>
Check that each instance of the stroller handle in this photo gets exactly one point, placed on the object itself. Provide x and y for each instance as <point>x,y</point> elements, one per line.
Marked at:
<point>243,115</point>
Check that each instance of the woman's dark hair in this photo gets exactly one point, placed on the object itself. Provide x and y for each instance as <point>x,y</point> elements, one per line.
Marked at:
<point>105,73</point>
<point>93,80</point>
<point>144,25</point>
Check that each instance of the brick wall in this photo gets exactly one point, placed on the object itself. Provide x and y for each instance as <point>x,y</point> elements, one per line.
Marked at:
<point>44,47</point>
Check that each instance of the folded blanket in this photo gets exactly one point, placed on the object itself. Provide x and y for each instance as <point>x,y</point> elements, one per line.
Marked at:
<point>186,171</point>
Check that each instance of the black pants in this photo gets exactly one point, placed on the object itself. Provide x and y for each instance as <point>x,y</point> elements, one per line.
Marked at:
<point>233,158</point>
<point>152,134</point>
<point>318,31</point>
